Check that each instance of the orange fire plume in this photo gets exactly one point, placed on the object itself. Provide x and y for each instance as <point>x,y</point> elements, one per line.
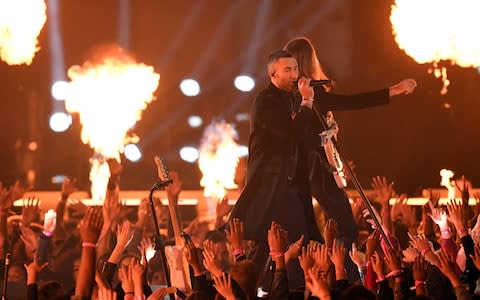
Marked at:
<point>218,159</point>
<point>109,93</point>
<point>20,24</point>
<point>431,31</point>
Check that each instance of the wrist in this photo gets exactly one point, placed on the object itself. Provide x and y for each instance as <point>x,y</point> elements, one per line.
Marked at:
<point>462,231</point>
<point>238,251</point>
<point>425,251</point>
<point>395,273</point>
<point>419,283</point>
<point>88,245</point>
<point>276,254</point>
<point>445,233</point>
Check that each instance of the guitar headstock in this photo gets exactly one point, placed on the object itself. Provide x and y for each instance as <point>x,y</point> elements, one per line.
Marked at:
<point>162,170</point>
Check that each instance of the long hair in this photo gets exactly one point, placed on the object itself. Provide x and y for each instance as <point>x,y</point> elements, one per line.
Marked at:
<point>304,52</point>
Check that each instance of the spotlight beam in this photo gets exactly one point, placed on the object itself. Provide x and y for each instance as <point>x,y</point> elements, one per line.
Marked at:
<point>181,34</point>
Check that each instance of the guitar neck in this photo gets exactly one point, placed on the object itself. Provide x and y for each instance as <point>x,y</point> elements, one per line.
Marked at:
<point>174,217</point>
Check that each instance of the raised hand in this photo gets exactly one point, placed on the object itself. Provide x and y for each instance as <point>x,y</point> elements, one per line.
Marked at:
<point>7,197</point>
<point>78,207</point>
<point>392,260</point>
<point>277,238</point>
<point>404,87</point>
<point>105,293</point>
<point>330,232</point>
<point>420,243</point>
<point>316,282</point>
<point>68,187</point>
<point>192,258</point>
<point>447,266</point>
<point>383,189</point>
<point>111,208</point>
<point>223,208</point>
<point>143,212</point>
<point>30,210</point>
<point>147,248</point>
<point>306,260</point>
<point>419,268</point>
<point>30,239</point>
<point>322,258</point>
<point>138,276</point>
<point>338,258</point>
<point>223,285</point>
<point>91,225</point>
<point>32,270</point>
<point>410,254</point>
<point>234,234</point>
<point>294,250</point>
<point>210,263</point>
<point>372,243</point>
<point>456,216</point>
<point>358,257</point>
<point>124,235</point>
<point>438,216</point>
<point>377,265</point>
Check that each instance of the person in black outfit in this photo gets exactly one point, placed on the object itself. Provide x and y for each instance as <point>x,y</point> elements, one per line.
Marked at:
<point>277,186</point>
<point>332,199</point>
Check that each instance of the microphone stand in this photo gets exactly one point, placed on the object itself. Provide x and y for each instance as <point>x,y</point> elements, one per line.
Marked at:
<point>5,276</point>
<point>159,245</point>
<point>355,181</point>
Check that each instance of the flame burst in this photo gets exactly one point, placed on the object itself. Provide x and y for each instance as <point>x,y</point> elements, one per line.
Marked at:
<point>109,92</point>
<point>433,30</point>
<point>20,24</point>
<point>218,159</point>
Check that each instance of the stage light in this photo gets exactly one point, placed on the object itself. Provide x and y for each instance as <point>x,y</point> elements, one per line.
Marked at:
<point>244,83</point>
<point>60,121</point>
<point>242,150</point>
<point>60,90</point>
<point>189,154</point>
<point>190,87</point>
<point>242,117</point>
<point>132,152</point>
<point>195,121</point>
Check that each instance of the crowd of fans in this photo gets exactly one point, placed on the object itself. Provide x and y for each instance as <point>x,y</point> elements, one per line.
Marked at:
<point>108,252</point>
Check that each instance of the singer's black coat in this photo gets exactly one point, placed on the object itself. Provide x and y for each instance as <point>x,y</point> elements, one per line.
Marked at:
<point>276,165</point>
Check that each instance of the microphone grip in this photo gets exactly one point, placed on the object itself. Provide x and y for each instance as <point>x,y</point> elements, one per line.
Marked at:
<point>320,82</point>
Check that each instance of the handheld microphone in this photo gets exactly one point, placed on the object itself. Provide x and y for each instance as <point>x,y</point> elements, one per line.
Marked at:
<point>318,82</point>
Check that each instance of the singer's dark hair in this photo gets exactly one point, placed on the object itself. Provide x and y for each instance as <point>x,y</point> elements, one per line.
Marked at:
<point>304,52</point>
<point>275,56</point>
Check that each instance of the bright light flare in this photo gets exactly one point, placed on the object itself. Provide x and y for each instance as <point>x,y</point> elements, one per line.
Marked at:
<point>190,87</point>
<point>109,93</point>
<point>60,121</point>
<point>60,90</point>
<point>430,31</point>
<point>132,153</point>
<point>20,24</point>
<point>189,154</point>
<point>219,155</point>
<point>195,121</point>
<point>447,182</point>
<point>244,83</point>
